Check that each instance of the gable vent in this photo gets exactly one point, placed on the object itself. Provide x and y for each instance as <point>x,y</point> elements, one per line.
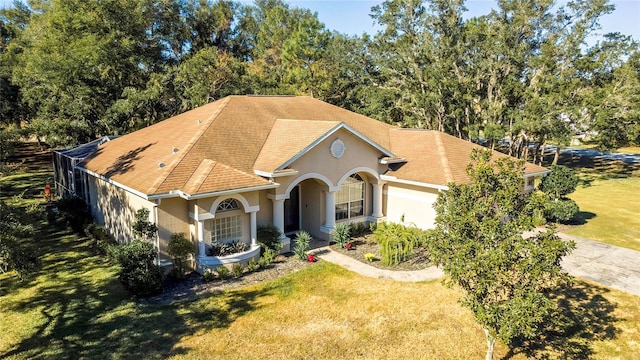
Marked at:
<point>161,165</point>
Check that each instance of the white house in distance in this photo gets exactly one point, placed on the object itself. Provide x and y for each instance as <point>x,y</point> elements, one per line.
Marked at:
<point>220,171</point>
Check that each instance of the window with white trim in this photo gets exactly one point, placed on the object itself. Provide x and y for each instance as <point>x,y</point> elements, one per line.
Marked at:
<point>350,198</point>
<point>226,228</point>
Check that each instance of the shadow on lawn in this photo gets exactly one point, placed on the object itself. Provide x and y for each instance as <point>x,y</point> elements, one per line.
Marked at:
<point>599,169</point>
<point>85,313</point>
<point>583,317</point>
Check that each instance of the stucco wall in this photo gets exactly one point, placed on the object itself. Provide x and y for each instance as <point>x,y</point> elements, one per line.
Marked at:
<point>412,202</point>
<point>173,217</point>
<point>115,208</point>
<point>358,154</point>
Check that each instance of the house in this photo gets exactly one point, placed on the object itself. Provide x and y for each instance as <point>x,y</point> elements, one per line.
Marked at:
<point>220,171</point>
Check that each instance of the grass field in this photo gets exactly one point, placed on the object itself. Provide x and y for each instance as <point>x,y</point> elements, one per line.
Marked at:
<point>609,201</point>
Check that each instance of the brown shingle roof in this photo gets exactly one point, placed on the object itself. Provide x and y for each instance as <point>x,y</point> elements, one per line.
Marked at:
<point>216,147</point>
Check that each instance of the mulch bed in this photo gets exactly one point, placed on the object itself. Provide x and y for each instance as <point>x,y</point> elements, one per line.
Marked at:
<point>193,286</point>
<point>365,244</point>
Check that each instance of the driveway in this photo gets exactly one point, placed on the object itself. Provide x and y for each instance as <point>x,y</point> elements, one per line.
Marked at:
<point>605,264</point>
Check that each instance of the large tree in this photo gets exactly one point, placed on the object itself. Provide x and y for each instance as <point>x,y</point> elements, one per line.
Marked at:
<point>506,278</point>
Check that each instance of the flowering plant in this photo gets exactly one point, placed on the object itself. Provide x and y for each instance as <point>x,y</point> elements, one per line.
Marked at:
<point>348,246</point>
<point>369,257</point>
<point>311,258</point>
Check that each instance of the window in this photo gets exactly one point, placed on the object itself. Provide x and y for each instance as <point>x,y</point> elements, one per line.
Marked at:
<point>227,228</point>
<point>350,198</point>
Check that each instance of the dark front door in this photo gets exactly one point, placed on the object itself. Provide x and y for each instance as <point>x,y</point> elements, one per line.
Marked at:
<point>292,211</point>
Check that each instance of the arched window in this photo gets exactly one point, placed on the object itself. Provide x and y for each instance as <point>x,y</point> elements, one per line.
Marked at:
<point>226,228</point>
<point>350,198</point>
<point>228,205</point>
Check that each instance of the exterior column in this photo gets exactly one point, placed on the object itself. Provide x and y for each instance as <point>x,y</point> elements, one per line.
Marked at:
<point>376,212</point>
<point>329,210</point>
<point>278,215</point>
<point>254,229</point>
<point>202,250</point>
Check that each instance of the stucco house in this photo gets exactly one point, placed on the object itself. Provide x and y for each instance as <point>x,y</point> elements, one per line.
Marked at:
<point>220,171</point>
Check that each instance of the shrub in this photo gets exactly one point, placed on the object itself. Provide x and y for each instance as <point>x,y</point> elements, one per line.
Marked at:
<point>358,229</point>
<point>560,182</point>
<point>269,238</point>
<point>267,258</point>
<point>75,213</point>
<point>397,242</point>
<point>373,226</point>
<point>303,239</point>
<point>237,269</point>
<point>223,249</point>
<point>179,248</point>
<point>370,257</point>
<point>561,210</point>
<point>208,275</point>
<point>342,234</point>
<point>253,265</point>
<point>222,272</point>
<point>138,273</point>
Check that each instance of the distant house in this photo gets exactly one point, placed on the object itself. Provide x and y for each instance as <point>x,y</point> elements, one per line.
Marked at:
<point>218,172</point>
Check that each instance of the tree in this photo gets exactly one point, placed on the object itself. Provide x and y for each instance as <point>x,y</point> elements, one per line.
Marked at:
<point>143,229</point>
<point>179,248</point>
<point>559,183</point>
<point>478,242</point>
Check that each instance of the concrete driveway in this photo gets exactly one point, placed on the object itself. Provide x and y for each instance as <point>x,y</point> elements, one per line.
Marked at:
<point>605,264</point>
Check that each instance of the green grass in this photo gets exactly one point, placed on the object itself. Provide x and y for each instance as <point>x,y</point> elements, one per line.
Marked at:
<point>609,209</point>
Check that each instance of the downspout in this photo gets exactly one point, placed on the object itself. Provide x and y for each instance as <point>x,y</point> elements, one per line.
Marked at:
<point>155,221</point>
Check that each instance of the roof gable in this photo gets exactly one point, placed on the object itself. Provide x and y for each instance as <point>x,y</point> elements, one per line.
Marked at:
<point>291,139</point>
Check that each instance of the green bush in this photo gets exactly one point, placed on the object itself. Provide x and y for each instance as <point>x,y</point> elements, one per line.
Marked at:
<point>208,275</point>
<point>398,241</point>
<point>269,238</point>
<point>75,213</point>
<point>560,182</point>
<point>303,239</point>
<point>342,234</point>
<point>359,229</point>
<point>237,269</point>
<point>138,273</point>
<point>561,211</point>
<point>253,265</point>
<point>267,258</point>
<point>179,248</point>
<point>222,272</point>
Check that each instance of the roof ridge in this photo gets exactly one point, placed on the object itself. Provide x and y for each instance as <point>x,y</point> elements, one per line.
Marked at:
<point>443,157</point>
<point>205,164</point>
<point>189,146</point>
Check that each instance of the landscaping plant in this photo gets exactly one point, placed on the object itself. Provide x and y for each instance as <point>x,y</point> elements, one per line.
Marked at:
<point>269,238</point>
<point>236,270</point>
<point>559,183</point>
<point>342,234</point>
<point>396,242</point>
<point>303,239</point>
<point>138,272</point>
<point>179,248</point>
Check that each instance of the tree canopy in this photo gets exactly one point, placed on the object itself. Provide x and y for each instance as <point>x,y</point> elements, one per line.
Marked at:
<point>73,70</point>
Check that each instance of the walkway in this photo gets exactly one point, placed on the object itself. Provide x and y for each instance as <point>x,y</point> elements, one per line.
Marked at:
<point>605,264</point>
<point>349,263</point>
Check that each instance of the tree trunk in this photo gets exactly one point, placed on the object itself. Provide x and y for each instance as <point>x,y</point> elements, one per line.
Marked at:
<point>556,157</point>
<point>491,342</point>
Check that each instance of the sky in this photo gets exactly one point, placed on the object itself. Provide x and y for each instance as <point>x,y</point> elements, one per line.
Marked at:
<point>352,16</point>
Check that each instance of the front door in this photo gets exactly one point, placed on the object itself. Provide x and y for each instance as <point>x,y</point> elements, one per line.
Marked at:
<point>292,211</point>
